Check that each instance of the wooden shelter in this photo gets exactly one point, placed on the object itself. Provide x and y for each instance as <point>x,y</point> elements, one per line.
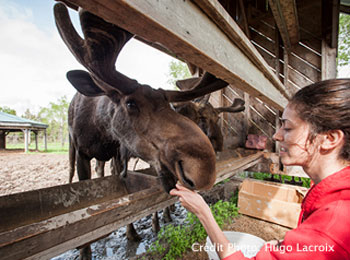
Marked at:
<point>11,123</point>
<point>265,49</point>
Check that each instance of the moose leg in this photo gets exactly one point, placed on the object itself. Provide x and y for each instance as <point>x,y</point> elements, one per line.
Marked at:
<point>155,222</point>
<point>166,215</point>
<point>84,173</point>
<point>83,168</point>
<point>71,160</point>
<point>131,233</point>
<point>100,168</point>
<point>85,253</point>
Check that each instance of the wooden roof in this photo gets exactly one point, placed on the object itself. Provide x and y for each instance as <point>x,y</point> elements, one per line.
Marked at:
<point>12,122</point>
<point>267,48</point>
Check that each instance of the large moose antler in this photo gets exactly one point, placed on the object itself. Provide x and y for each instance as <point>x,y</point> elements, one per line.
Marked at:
<point>99,50</point>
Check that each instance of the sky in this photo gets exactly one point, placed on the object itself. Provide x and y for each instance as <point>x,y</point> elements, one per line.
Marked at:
<point>34,60</point>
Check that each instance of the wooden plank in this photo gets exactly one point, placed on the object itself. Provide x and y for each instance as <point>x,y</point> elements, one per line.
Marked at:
<point>302,67</point>
<point>310,41</point>
<point>266,113</point>
<point>307,55</point>
<point>264,28</point>
<point>229,167</point>
<point>33,206</point>
<point>266,55</point>
<point>225,22</point>
<point>285,14</point>
<point>263,41</point>
<point>201,42</point>
<point>299,79</point>
<point>52,232</point>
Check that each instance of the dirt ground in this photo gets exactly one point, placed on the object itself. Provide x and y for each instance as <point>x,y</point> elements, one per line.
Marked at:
<point>23,172</point>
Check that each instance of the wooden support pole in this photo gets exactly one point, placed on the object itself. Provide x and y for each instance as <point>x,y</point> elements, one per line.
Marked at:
<point>45,139</point>
<point>36,140</point>
<point>247,115</point>
<point>2,139</point>
<point>26,141</point>
<point>329,66</point>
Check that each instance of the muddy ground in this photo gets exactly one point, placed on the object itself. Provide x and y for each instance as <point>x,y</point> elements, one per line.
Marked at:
<point>23,172</point>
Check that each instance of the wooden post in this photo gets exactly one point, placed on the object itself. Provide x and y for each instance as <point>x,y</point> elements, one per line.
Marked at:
<point>45,140</point>
<point>26,142</point>
<point>36,140</point>
<point>2,139</point>
<point>247,116</point>
<point>328,61</point>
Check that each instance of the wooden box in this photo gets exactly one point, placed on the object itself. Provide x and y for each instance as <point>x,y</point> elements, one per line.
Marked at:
<point>273,202</point>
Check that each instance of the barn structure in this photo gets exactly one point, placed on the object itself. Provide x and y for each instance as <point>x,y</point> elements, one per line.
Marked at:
<point>265,49</point>
<point>11,123</point>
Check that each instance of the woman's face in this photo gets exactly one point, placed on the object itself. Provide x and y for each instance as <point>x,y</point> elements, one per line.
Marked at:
<point>295,148</point>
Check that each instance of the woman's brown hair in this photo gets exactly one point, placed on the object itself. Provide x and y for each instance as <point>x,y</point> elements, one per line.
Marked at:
<point>326,106</point>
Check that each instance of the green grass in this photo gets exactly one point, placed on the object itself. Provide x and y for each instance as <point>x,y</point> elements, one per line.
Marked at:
<point>51,147</point>
<point>174,241</point>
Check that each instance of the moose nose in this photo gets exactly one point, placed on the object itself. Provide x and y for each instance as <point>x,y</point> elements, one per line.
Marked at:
<point>182,176</point>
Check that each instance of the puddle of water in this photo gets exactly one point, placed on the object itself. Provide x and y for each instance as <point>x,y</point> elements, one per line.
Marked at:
<point>117,246</point>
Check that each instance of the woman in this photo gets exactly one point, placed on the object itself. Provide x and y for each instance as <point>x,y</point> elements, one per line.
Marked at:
<point>315,134</point>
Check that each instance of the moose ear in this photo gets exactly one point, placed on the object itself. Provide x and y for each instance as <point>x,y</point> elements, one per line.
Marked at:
<point>83,82</point>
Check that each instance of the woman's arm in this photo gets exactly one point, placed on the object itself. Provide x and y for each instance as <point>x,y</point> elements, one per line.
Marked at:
<point>194,202</point>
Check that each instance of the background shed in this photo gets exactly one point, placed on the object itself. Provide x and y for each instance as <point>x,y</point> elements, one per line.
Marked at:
<point>11,123</point>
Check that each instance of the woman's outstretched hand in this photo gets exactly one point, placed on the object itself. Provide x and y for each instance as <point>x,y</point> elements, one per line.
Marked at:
<point>191,200</point>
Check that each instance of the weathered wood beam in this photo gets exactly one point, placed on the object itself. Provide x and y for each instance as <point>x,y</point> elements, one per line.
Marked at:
<point>185,30</point>
<point>285,14</point>
<point>225,22</point>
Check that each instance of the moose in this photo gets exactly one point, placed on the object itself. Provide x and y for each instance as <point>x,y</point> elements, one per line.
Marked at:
<point>202,113</point>
<point>111,110</point>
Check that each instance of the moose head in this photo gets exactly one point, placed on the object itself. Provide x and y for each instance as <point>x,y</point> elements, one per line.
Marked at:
<point>204,114</point>
<point>138,117</point>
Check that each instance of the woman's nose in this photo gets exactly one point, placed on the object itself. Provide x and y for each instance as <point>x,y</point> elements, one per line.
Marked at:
<point>277,136</point>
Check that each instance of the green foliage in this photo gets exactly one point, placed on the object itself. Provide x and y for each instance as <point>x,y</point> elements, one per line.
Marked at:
<point>55,115</point>
<point>8,110</point>
<point>264,176</point>
<point>51,147</point>
<point>27,114</point>
<point>344,40</point>
<point>177,71</point>
<point>181,238</point>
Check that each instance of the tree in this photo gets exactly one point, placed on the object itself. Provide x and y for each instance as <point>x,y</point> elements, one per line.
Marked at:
<point>177,71</point>
<point>27,114</point>
<point>55,115</point>
<point>344,40</point>
<point>8,110</point>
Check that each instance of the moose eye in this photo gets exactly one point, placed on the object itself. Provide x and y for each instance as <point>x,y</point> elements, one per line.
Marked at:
<point>131,104</point>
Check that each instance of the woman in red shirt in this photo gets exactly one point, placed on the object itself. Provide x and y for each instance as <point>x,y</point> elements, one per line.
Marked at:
<point>315,134</point>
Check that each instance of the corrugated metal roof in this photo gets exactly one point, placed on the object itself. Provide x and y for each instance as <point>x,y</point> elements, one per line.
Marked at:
<point>11,120</point>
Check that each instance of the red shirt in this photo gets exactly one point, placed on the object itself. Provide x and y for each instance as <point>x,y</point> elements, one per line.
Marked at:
<point>323,231</point>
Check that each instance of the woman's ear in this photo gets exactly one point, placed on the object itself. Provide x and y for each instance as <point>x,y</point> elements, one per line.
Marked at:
<point>332,139</point>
